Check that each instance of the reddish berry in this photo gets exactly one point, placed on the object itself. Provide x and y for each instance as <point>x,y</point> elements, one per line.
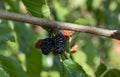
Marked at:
<point>37,28</point>
<point>37,44</point>
<point>74,48</point>
<point>67,33</point>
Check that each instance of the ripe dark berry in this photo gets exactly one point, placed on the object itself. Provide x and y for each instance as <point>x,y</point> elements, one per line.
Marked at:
<point>46,45</point>
<point>59,43</point>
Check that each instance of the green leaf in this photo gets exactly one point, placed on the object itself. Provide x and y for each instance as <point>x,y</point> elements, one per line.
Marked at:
<point>61,11</point>
<point>34,63</point>
<point>45,11</point>
<point>101,69</point>
<point>38,8</point>
<point>11,67</point>
<point>14,5</point>
<point>82,21</point>
<point>26,43</point>
<point>3,73</point>
<point>5,32</point>
<point>90,50</point>
<point>112,73</point>
<point>72,69</point>
<point>2,5</point>
<point>24,33</point>
<point>58,64</point>
<point>80,58</point>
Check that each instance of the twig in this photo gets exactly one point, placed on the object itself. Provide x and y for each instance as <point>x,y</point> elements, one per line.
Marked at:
<point>60,25</point>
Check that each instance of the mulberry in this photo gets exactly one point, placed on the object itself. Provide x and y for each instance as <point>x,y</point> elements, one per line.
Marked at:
<point>46,45</point>
<point>68,33</point>
<point>59,43</point>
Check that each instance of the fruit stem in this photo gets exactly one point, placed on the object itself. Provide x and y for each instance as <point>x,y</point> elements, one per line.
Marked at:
<point>68,46</point>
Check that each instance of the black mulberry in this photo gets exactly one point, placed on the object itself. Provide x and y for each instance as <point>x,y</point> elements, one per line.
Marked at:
<point>59,43</point>
<point>46,45</point>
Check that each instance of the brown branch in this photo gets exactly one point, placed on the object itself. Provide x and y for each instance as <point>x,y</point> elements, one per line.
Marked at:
<point>60,25</point>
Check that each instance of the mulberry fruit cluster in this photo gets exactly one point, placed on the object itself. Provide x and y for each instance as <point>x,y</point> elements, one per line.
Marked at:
<point>57,44</point>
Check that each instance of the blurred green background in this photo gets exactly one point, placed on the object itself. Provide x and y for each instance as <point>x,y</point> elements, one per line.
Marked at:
<point>20,58</point>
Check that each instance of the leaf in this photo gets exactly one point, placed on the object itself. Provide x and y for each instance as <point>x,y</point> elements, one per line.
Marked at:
<point>38,8</point>
<point>61,11</point>
<point>90,50</point>
<point>34,63</point>
<point>14,5</point>
<point>5,32</point>
<point>80,58</point>
<point>72,69</point>
<point>26,43</point>
<point>82,21</point>
<point>112,73</point>
<point>2,5</point>
<point>101,69</point>
<point>11,67</point>
<point>58,64</point>
<point>3,73</point>
<point>45,11</point>
<point>24,33</point>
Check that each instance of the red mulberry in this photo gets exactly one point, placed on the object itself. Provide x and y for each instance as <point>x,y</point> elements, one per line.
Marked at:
<point>67,33</point>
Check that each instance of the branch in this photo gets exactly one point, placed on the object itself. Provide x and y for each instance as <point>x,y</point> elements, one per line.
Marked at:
<point>60,25</point>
